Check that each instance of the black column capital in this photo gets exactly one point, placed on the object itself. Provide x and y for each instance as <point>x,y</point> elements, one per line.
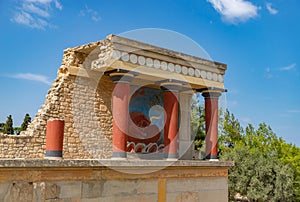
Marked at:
<point>171,85</point>
<point>121,75</point>
<point>209,94</point>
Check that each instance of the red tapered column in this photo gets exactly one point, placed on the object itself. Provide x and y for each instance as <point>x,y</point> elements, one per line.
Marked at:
<point>171,90</point>
<point>211,124</point>
<point>171,124</point>
<point>120,119</point>
<point>120,110</point>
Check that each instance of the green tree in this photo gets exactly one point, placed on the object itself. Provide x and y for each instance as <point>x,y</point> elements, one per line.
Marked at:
<point>17,130</point>
<point>258,178</point>
<point>270,146</point>
<point>290,154</point>
<point>1,127</point>
<point>26,121</point>
<point>266,167</point>
<point>230,131</point>
<point>263,139</point>
<point>8,126</point>
<point>198,123</point>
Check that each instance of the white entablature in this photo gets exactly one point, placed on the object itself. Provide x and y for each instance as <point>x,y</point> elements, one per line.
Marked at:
<point>151,62</point>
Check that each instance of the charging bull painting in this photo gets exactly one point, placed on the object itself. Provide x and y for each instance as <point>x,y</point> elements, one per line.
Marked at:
<point>146,121</point>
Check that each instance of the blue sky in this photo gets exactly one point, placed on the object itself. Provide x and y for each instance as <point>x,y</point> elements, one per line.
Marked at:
<point>258,40</point>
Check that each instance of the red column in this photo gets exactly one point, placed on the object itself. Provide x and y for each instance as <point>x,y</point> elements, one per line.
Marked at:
<point>120,111</point>
<point>211,124</point>
<point>171,124</point>
<point>54,138</point>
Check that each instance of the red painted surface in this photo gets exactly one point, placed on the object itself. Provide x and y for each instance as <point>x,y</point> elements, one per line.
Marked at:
<point>120,110</point>
<point>140,91</point>
<point>171,122</point>
<point>139,148</point>
<point>140,130</point>
<point>139,119</point>
<point>153,148</point>
<point>55,135</point>
<point>211,114</point>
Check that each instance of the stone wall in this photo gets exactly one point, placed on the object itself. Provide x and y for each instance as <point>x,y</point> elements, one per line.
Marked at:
<point>90,181</point>
<point>13,146</point>
<point>84,104</point>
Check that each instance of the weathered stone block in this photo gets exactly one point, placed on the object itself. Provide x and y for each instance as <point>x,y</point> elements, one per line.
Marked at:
<point>92,189</point>
<point>129,187</point>
<point>52,191</point>
<point>4,191</point>
<point>21,192</point>
<point>69,189</point>
<point>183,197</point>
<point>214,195</point>
<point>38,191</point>
<point>196,185</point>
<point>137,197</point>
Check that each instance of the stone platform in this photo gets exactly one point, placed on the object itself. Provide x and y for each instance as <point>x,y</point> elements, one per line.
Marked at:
<point>113,180</point>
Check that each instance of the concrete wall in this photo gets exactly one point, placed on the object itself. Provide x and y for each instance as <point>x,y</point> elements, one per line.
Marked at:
<point>91,181</point>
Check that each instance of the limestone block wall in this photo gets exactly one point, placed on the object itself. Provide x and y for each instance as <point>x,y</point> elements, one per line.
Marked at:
<point>211,189</point>
<point>89,181</point>
<point>85,106</point>
<point>13,146</point>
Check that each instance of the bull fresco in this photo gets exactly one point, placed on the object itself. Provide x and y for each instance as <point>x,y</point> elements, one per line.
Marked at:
<point>146,109</point>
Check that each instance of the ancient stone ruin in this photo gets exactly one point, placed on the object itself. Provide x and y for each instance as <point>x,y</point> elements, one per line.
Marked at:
<point>81,95</point>
<point>123,108</point>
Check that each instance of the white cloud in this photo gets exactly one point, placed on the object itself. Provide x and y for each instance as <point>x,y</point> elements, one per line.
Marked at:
<point>235,11</point>
<point>90,13</point>
<point>289,67</point>
<point>35,13</point>
<point>35,10</point>
<point>23,18</point>
<point>274,73</point>
<point>32,77</point>
<point>58,5</point>
<point>26,19</point>
<point>40,1</point>
<point>270,9</point>
<point>46,2</point>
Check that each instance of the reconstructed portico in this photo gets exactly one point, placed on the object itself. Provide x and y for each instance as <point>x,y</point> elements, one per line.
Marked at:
<point>134,65</point>
<point>119,96</point>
